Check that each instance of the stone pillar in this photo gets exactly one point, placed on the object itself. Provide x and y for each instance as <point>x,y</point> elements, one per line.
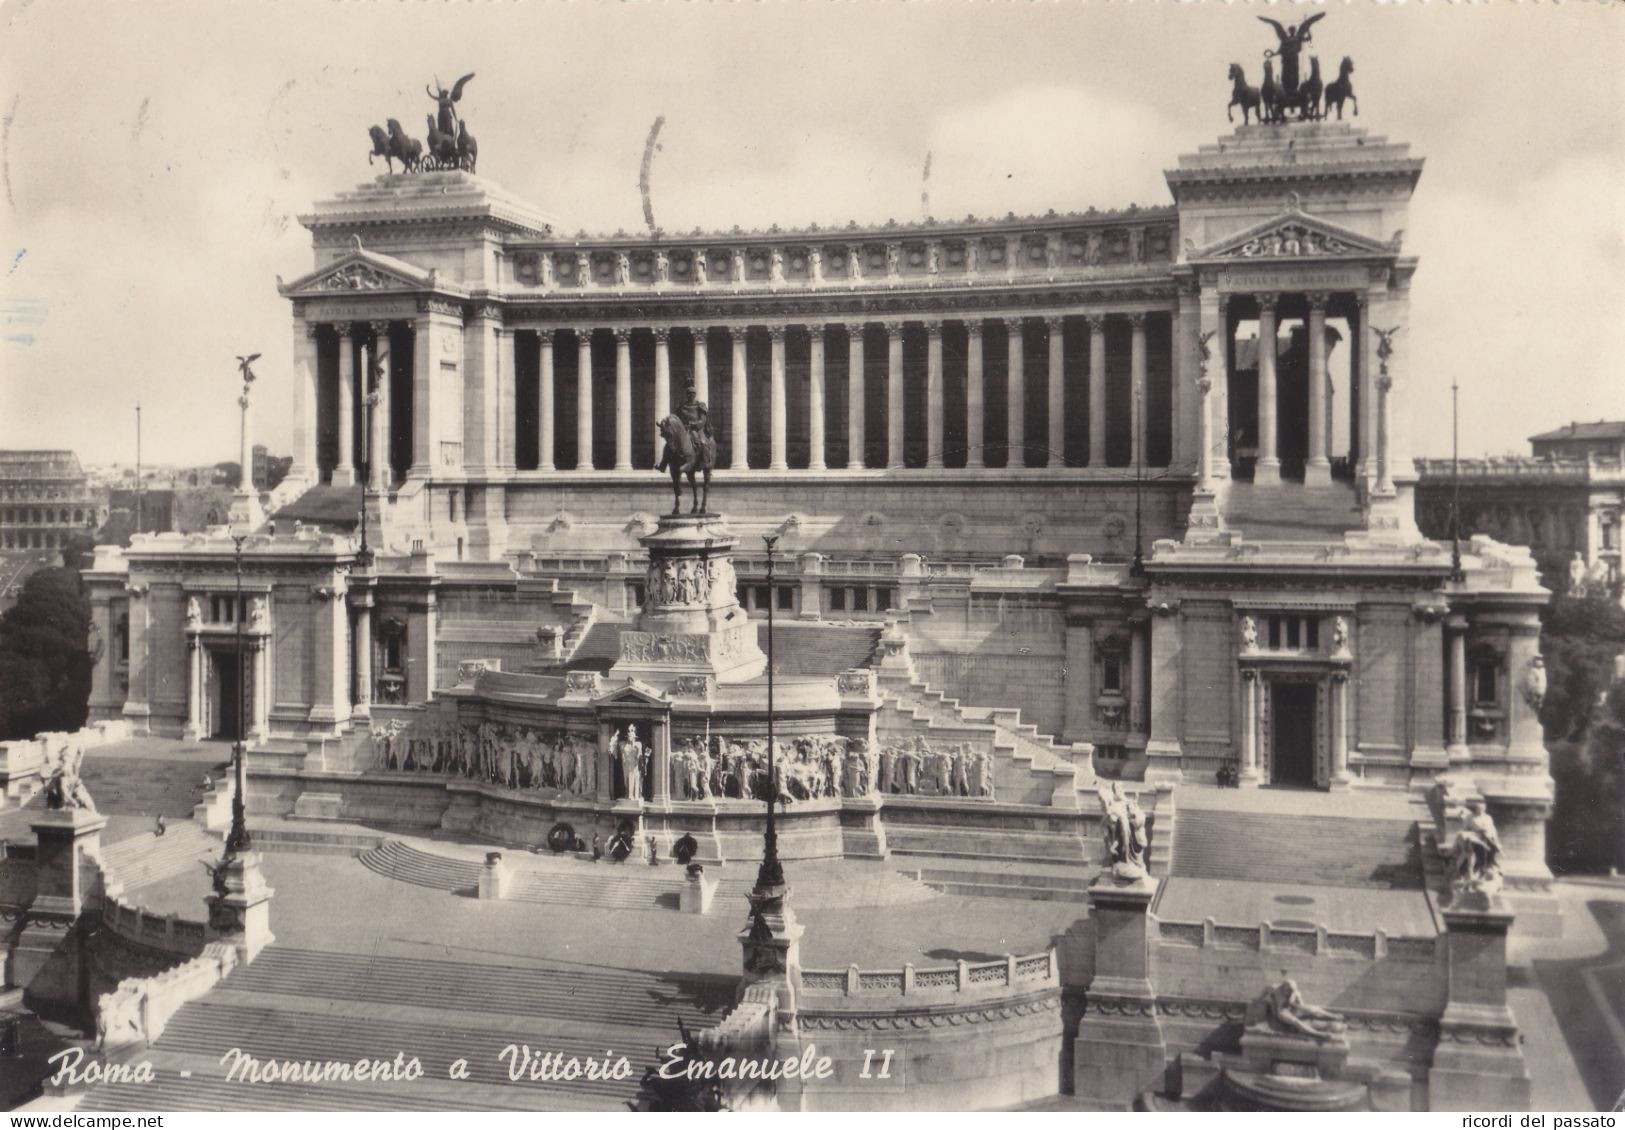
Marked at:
<point>659,768</point>
<point>894,395</point>
<point>739,383</point>
<point>1339,777</point>
<point>584,400</point>
<point>361,602</point>
<point>662,375</point>
<point>1136,369</point>
<point>1080,666</point>
<point>377,444</point>
<point>855,407</point>
<point>1455,627</point>
<point>195,657</point>
<point>975,396</point>
<point>1318,467</point>
<point>1136,677</point>
<point>304,402</point>
<point>1057,393</point>
<point>259,727</point>
<point>775,400</point>
<point>344,472</point>
<point>245,436</point>
<point>623,398</point>
<point>420,649</point>
<point>545,406</point>
<point>1016,390</point>
<point>1385,431</point>
<point>1366,375</point>
<point>1097,390</point>
<point>434,351</point>
<point>1204,438</point>
<point>812,586</point>
<point>606,763</point>
<point>1249,726</point>
<point>1268,467</point>
<point>329,699</point>
<point>45,958</point>
<point>504,414</point>
<point>933,393</point>
<point>1478,1063</point>
<point>483,349</point>
<point>702,364</point>
<point>815,397</point>
<point>1163,722</point>
<point>1119,1052</point>
<point>1214,407</point>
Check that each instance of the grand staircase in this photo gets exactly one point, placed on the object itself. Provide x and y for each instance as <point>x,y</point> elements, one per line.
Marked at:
<point>1317,849</point>
<point>144,859</point>
<point>312,1006</point>
<point>1292,511</point>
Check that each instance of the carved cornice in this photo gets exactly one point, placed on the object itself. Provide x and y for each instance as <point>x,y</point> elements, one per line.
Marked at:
<point>893,1020</point>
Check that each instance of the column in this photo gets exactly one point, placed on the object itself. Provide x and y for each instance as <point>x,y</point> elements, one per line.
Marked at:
<point>933,393</point>
<point>245,458</point>
<point>775,399</point>
<point>1268,467</point>
<point>1186,400</point>
<point>480,427</point>
<point>659,765</point>
<point>1367,378</point>
<point>1204,440</point>
<point>662,372</point>
<point>894,395</point>
<point>1016,395</point>
<point>1212,359</point>
<point>194,687</point>
<point>739,383</point>
<point>855,395</point>
<point>1057,393</point>
<point>1097,390</point>
<point>504,413</point>
<point>1136,677</point>
<point>1318,467</point>
<point>1385,429</point>
<point>362,659</point>
<point>261,722</point>
<point>702,364</point>
<point>378,409</point>
<point>1340,730</point>
<point>1249,724</point>
<point>1136,371</point>
<point>544,401</point>
<point>815,398</point>
<point>623,398</point>
<point>583,400</point>
<point>1456,628</point>
<point>975,397</point>
<point>344,472</point>
<point>304,402</point>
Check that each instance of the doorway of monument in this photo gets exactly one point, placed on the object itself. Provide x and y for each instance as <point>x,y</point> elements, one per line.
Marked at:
<point>1292,734</point>
<point>222,697</point>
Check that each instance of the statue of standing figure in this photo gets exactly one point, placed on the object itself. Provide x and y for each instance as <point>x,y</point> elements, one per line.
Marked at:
<point>1475,853</point>
<point>629,751</point>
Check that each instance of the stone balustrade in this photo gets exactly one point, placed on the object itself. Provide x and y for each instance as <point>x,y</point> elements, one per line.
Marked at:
<point>136,1013</point>
<point>1595,469</point>
<point>1035,971</point>
<point>919,255</point>
<point>1314,941</point>
<point>166,933</point>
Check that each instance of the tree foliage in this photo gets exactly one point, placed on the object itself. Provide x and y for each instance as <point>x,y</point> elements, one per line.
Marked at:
<point>45,664</point>
<point>1579,640</point>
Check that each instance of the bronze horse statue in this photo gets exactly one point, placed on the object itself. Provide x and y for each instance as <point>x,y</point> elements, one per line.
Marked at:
<point>442,146</point>
<point>1341,88</point>
<point>1242,95</point>
<point>1311,91</point>
<point>1272,95</point>
<point>688,455</point>
<point>468,150</point>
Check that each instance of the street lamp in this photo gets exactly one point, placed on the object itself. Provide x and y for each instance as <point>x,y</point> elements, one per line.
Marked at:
<point>771,873</point>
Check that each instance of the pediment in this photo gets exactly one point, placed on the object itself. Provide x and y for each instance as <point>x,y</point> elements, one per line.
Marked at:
<point>361,272</point>
<point>634,693</point>
<point>1295,235</point>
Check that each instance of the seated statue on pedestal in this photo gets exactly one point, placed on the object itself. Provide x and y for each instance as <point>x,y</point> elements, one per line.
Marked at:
<point>1281,1008</point>
<point>1475,853</point>
<point>1122,825</point>
<point>66,789</point>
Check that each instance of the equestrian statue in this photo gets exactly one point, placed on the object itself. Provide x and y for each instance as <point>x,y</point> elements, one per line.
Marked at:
<point>448,145</point>
<point>1310,98</point>
<point>690,449</point>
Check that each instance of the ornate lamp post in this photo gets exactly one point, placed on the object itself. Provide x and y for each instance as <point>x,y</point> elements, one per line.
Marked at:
<point>238,840</point>
<point>771,873</point>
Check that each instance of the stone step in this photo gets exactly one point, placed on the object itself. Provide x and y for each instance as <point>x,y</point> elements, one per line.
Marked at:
<point>1010,891</point>
<point>146,859</point>
<point>1315,849</point>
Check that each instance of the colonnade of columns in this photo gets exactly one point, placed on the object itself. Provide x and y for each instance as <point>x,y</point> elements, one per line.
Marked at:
<point>1062,396</point>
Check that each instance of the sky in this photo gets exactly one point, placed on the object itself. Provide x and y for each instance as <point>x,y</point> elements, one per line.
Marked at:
<point>155,156</point>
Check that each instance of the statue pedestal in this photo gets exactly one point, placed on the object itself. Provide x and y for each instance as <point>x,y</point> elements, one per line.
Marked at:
<point>1478,1063</point>
<point>691,627</point>
<point>771,942</point>
<point>46,959</point>
<point>241,917</point>
<point>1120,1051</point>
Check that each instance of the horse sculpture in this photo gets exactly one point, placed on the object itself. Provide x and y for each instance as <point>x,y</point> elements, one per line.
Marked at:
<point>1311,91</point>
<point>1341,88</point>
<point>1272,96</point>
<point>686,455</point>
<point>407,150</point>
<point>1242,95</point>
<point>442,149</point>
<point>380,147</point>
<point>468,150</point>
